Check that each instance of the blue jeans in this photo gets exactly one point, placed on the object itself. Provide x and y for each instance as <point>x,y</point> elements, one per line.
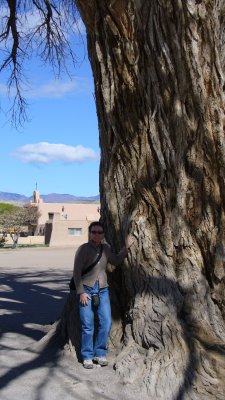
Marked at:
<point>89,349</point>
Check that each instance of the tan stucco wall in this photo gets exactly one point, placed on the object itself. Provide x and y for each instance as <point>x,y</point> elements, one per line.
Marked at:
<point>61,237</point>
<point>69,212</point>
<point>27,240</point>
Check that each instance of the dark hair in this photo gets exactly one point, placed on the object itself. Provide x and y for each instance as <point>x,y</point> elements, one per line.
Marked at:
<point>95,223</point>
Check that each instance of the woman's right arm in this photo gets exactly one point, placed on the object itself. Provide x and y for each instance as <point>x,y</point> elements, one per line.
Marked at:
<point>77,270</point>
<point>77,275</point>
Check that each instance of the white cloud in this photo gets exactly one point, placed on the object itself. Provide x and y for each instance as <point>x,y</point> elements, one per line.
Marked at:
<point>3,89</point>
<point>59,89</point>
<point>45,153</point>
<point>54,89</point>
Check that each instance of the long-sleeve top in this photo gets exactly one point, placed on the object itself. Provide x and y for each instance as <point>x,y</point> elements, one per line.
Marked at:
<point>86,254</point>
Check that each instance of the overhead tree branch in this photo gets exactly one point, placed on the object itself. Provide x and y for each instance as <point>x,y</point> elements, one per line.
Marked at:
<point>49,39</point>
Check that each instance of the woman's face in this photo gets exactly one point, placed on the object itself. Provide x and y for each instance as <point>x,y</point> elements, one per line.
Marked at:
<point>96,234</point>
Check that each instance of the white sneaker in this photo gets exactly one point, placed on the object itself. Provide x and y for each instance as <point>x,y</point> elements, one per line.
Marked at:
<point>88,364</point>
<point>100,361</point>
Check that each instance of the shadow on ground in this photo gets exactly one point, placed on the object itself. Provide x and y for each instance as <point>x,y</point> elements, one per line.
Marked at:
<point>31,299</point>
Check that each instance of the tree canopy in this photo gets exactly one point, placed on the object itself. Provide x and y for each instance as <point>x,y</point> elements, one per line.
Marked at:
<point>14,220</point>
<point>7,207</point>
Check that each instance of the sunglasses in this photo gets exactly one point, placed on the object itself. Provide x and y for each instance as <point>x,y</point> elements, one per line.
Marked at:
<point>98,232</point>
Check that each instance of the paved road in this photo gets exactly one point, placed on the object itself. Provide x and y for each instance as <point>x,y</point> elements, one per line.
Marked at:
<point>40,257</point>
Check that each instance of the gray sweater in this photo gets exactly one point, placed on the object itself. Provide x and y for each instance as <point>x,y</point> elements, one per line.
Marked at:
<point>86,254</point>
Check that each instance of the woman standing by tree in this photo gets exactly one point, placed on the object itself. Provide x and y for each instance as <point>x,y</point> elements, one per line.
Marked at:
<point>92,290</point>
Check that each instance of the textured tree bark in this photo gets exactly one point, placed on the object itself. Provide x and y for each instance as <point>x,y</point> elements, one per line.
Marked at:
<point>158,68</point>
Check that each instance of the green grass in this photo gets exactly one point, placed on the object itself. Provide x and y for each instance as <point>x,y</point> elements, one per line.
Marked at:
<point>8,207</point>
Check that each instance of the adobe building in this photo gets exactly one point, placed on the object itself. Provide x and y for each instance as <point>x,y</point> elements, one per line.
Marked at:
<point>64,224</point>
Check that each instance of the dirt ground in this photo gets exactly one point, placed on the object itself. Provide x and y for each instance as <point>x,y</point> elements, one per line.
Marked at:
<point>33,290</point>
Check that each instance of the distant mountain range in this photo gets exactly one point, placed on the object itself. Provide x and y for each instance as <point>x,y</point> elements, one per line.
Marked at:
<point>47,198</point>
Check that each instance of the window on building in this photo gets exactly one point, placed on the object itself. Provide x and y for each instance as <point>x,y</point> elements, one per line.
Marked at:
<point>75,231</point>
<point>50,215</point>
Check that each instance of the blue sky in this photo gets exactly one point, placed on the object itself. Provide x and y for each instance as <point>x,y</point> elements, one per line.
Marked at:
<point>58,148</point>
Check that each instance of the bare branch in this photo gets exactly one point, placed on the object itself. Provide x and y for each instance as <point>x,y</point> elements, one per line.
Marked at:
<point>49,39</point>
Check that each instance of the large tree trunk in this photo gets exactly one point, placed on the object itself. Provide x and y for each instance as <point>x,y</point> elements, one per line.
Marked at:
<point>158,72</point>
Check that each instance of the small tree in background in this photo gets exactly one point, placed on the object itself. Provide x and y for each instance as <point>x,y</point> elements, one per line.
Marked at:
<point>6,208</point>
<point>18,220</point>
